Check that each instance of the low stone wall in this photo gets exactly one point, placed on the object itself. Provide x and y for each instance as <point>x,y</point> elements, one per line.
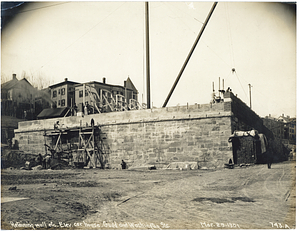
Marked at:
<point>153,136</point>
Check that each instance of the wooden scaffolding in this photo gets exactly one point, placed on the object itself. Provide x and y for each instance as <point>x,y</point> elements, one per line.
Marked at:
<point>80,146</point>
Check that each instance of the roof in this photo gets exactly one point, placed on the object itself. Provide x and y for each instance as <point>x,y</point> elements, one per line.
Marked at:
<point>131,85</point>
<point>62,83</point>
<point>96,82</point>
<point>9,84</point>
<point>52,113</point>
<point>13,83</point>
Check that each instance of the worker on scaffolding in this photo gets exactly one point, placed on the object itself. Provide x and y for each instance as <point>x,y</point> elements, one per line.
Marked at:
<point>57,125</point>
<point>86,112</point>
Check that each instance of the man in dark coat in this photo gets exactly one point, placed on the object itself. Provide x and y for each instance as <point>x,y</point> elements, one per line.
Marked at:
<point>269,157</point>
<point>123,164</point>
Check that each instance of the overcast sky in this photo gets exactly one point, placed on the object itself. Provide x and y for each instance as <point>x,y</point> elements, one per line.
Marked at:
<point>85,41</point>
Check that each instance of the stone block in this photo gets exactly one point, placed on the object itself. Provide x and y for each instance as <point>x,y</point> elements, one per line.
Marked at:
<point>205,133</point>
<point>224,143</point>
<point>175,144</point>
<point>171,149</point>
<point>216,128</point>
<point>191,143</point>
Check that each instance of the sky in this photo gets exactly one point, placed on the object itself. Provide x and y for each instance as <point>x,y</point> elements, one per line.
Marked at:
<point>86,41</point>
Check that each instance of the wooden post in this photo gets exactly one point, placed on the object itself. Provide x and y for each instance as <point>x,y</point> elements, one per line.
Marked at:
<point>93,160</point>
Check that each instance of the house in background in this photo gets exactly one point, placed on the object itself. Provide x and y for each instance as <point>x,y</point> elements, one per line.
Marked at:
<point>284,128</point>
<point>292,130</point>
<point>105,97</point>
<point>17,98</point>
<point>275,125</point>
<point>62,94</point>
<point>17,104</point>
<point>43,100</point>
<point>94,97</point>
<point>289,127</point>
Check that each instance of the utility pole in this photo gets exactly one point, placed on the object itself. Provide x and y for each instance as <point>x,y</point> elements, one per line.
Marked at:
<point>147,56</point>
<point>250,94</point>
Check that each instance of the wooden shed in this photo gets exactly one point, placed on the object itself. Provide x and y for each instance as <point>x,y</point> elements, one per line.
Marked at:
<point>248,147</point>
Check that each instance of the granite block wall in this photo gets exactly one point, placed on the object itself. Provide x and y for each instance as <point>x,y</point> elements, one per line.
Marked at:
<point>162,142</point>
<point>153,136</point>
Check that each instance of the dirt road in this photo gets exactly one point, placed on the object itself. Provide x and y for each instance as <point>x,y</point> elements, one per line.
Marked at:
<point>243,198</point>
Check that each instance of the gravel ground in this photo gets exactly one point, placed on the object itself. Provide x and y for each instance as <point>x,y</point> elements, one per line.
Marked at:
<point>252,197</point>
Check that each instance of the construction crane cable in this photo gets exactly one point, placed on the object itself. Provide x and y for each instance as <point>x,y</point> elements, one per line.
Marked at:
<point>216,54</point>
<point>241,84</point>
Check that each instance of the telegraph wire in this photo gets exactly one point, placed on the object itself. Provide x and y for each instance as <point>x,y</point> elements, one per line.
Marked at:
<point>43,7</point>
<point>183,12</point>
<point>274,102</point>
<point>196,33</point>
<point>216,53</point>
<point>83,35</point>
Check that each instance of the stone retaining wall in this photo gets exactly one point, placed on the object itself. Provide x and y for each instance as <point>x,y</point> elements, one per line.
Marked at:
<point>153,136</point>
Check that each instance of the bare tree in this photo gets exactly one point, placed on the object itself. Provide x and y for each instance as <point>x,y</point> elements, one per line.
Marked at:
<point>4,78</point>
<point>37,80</point>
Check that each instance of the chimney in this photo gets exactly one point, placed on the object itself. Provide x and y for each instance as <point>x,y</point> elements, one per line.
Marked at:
<point>104,80</point>
<point>14,76</point>
<point>66,79</point>
<point>124,83</point>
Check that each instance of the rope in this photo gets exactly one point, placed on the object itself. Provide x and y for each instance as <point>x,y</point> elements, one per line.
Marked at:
<point>241,84</point>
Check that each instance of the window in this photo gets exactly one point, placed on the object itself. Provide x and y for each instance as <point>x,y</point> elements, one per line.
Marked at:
<point>63,102</point>
<point>59,91</point>
<point>10,94</point>
<point>86,93</point>
<point>80,94</point>
<point>63,91</point>
<point>58,102</point>
<point>54,94</point>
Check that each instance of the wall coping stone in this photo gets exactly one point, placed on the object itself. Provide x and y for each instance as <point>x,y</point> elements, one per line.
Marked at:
<point>128,117</point>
